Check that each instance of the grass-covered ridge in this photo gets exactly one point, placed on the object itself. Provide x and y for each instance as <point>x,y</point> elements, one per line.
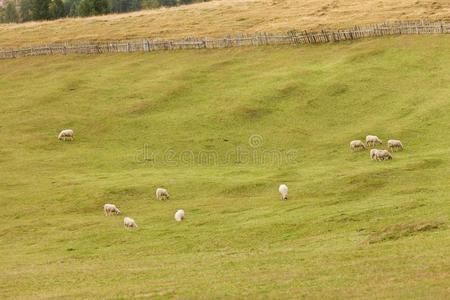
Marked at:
<point>351,228</point>
<point>220,18</point>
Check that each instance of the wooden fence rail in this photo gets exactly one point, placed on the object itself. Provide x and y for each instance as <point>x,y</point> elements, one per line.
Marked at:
<point>241,40</point>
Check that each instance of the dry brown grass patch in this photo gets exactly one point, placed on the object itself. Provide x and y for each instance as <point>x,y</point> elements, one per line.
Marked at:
<point>221,18</point>
<point>398,231</point>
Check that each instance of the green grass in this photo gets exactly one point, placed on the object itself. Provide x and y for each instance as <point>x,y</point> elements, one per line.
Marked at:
<point>352,227</point>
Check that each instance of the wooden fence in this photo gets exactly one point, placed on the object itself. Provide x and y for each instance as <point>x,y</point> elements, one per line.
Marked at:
<point>291,38</point>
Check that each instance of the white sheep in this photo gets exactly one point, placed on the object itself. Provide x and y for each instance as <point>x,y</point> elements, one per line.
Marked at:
<point>66,134</point>
<point>110,209</point>
<point>373,153</point>
<point>283,189</point>
<point>372,140</point>
<point>383,155</point>
<point>162,194</point>
<point>357,145</point>
<point>395,145</point>
<point>179,215</point>
<point>129,223</point>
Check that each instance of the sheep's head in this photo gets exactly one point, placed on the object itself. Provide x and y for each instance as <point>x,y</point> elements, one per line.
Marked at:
<point>118,212</point>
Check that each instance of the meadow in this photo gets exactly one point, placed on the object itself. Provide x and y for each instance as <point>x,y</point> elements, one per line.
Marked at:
<point>220,18</point>
<point>352,227</point>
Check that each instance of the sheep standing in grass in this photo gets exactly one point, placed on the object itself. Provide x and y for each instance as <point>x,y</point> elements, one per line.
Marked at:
<point>383,155</point>
<point>357,145</point>
<point>373,153</point>
<point>129,223</point>
<point>162,194</point>
<point>372,140</point>
<point>109,209</point>
<point>395,145</point>
<point>66,134</point>
<point>179,215</point>
<point>283,189</point>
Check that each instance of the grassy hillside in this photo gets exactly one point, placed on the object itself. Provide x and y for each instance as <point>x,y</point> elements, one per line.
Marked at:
<point>223,17</point>
<point>352,227</point>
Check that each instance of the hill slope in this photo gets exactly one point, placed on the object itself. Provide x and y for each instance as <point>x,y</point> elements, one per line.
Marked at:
<point>351,228</point>
<point>222,18</point>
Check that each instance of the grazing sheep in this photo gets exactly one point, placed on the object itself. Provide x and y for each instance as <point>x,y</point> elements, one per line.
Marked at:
<point>179,215</point>
<point>372,140</point>
<point>395,145</point>
<point>357,145</point>
<point>110,209</point>
<point>162,194</point>
<point>383,155</point>
<point>129,223</point>
<point>373,153</point>
<point>283,189</point>
<point>66,134</point>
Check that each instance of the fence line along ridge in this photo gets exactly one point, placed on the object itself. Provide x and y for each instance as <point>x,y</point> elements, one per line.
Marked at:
<point>292,37</point>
